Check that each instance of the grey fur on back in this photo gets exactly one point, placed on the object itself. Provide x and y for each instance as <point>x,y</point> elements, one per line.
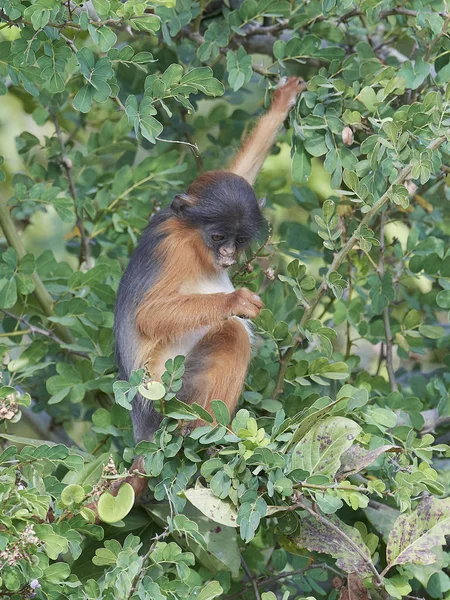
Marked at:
<point>138,278</point>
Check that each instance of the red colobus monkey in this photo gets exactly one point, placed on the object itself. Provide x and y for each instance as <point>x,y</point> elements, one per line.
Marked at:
<point>176,297</point>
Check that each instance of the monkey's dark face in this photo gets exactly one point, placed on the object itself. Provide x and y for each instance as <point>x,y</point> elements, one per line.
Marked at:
<point>225,242</point>
<point>225,209</point>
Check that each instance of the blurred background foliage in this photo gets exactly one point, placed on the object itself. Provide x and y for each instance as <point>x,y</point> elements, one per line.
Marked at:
<point>333,478</point>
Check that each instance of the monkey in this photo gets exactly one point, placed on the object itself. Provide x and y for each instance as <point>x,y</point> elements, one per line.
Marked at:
<point>176,297</point>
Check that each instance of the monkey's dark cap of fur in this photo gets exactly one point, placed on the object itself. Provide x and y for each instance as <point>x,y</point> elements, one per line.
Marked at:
<point>223,197</point>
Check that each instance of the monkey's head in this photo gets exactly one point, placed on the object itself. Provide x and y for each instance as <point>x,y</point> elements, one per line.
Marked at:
<point>223,206</point>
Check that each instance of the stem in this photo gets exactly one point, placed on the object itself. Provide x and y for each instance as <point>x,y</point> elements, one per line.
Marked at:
<point>40,292</point>
<point>439,35</point>
<point>32,329</point>
<point>344,536</point>
<point>386,320</point>
<point>251,577</point>
<point>337,262</point>
<point>67,164</point>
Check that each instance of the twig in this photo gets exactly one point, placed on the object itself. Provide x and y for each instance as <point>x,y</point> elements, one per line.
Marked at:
<point>344,536</point>
<point>386,320</point>
<point>437,38</point>
<point>67,164</point>
<point>32,330</point>
<point>40,292</point>
<point>255,255</point>
<point>71,25</point>
<point>267,580</point>
<point>141,574</point>
<point>338,260</point>
<point>193,147</point>
<point>267,29</point>
<point>251,577</point>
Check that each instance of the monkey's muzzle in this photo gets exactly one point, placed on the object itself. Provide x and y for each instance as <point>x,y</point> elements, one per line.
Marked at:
<point>227,256</point>
<point>226,261</point>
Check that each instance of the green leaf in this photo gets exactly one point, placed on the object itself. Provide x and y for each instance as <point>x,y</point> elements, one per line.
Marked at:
<point>83,99</point>
<point>321,448</point>
<point>211,590</point>
<point>201,78</point>
<point>112,509</point>
<point>152,390</point>
<point>106,38</point>
<point>215,509</point>
<point>221,412</point>
<point>8,293</point>
<point>432,331</point>
<point>443,299</point>
<point>368,98</point>
<point>73,494</point>
<point>57,572</point>
<point>301,165</point>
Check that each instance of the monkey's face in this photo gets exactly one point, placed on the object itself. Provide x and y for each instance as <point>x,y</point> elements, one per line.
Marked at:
<point>226,245</point>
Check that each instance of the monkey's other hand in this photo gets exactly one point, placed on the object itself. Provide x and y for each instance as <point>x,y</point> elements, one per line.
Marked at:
<point>245,304</point>
<point>287,92</point>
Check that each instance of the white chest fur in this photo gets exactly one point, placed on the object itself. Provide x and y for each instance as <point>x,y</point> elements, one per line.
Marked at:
<point>214,285</point>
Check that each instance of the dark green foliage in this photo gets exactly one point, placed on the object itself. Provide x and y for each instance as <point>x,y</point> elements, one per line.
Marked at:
<point>336,464</point>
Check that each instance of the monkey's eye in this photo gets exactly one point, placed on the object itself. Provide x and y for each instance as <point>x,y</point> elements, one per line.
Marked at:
<point>217,238</point>
<point>241,239</point>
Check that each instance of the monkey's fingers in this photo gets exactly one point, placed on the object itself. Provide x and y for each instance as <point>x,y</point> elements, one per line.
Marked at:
<point>288,90</point>
<point>256,301</point>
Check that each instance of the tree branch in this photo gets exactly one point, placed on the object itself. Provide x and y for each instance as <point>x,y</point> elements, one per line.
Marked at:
<point>33,330</point>
<point>67,164</point>
<point>40,292</point>
<point>252,578</point>
<point>386,320</point>
<point>338,260</point>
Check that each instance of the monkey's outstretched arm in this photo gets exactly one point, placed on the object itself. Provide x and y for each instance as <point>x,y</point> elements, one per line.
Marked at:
<point>173,316</point>
<point>249,160</point>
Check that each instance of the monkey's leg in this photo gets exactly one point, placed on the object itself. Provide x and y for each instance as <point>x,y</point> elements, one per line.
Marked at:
<point>217,366</point>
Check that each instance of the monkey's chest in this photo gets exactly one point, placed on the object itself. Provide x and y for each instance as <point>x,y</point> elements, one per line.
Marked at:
<point>216,285</point>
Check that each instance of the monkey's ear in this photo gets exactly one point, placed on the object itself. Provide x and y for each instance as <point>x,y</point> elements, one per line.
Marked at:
<point>180,203</point>
<point>262,202</point>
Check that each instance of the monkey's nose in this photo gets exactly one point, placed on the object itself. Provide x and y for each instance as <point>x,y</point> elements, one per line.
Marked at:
<point>228,251</point>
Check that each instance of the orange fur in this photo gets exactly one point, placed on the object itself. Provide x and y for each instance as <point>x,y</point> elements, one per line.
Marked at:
<point>250,158</point>
<point>222,374</point>
<point>165,313</point>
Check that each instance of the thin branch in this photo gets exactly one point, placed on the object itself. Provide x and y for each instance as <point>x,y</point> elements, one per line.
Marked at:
<point>256,29</point>
<point>40,292</point>
<point>193,147</point>
<point>252,578</point>
<point>140,575</point>
<point>34,330</point>
<point>344,536</point>
<point>267,580</point>
<point>437,38</point>
<point>67,164</point>
<point>339,259</point>
<point>71,25</point>
<point>386,319</point>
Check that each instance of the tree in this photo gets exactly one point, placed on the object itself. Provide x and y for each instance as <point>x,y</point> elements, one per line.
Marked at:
<point>328,480</point>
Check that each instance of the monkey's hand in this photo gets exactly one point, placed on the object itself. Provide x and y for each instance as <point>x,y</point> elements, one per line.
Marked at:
<point>244,303</point>
<point>287,92</point>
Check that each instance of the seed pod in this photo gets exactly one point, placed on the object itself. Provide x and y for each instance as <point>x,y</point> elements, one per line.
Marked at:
<point>347,136</point>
